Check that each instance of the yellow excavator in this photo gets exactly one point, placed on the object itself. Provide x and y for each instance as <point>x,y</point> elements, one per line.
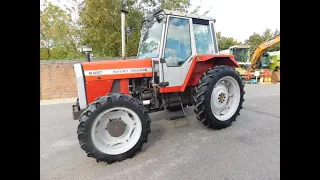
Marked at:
<point>257,61</point>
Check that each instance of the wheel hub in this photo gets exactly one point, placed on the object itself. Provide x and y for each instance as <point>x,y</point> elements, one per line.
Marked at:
<point>221,97</point>
<point>116,127</point>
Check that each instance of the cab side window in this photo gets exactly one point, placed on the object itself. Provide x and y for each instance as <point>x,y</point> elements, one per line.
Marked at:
<point>178,43</point>
<point>203,37</point>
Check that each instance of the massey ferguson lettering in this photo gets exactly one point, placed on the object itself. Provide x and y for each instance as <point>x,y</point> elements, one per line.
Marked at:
<point>125,71</point>
<point>138,70</point>
<point>116,71</point>
<point>120,71</point>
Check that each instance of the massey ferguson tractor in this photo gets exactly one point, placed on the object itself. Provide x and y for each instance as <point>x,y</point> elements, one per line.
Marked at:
<point>177,65</point>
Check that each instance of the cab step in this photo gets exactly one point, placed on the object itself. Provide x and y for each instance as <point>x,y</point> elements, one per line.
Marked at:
<point>177,117</point>
<point>174,117</point>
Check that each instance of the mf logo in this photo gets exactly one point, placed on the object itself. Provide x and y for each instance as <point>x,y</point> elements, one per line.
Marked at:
<point>269,42</point>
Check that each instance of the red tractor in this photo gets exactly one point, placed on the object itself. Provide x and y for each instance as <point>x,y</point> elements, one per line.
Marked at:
<point>177,65</point>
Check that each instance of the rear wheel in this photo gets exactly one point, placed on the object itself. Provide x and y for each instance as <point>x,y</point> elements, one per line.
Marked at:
<point>113,128</point>
<point>219,97</point>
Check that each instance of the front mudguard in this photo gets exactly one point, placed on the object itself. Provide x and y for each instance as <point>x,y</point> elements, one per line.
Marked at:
<point>76,111</point>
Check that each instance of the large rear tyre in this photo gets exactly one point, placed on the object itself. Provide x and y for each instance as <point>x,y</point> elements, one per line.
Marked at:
<point>219,97</point>
<point>113,128</point>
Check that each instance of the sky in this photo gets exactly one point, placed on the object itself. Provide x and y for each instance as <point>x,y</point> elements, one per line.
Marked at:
<point>241,18</point>
<point>236,18</point>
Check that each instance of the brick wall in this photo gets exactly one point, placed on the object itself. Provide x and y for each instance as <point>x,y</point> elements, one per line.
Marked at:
<point>57,79</point>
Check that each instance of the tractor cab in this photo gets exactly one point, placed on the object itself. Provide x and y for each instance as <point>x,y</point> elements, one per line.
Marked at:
<point>175,38</point>
<point>264,60</point>
<point>240,52</point>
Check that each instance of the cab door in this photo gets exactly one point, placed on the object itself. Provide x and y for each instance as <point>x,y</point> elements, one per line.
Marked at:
<point>178,51</point>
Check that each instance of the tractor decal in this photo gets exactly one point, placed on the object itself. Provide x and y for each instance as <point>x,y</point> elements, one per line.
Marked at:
<point>116,71</point>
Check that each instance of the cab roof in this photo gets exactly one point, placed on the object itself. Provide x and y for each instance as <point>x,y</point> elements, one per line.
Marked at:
<point>178,13</point>
<point>240,46</point>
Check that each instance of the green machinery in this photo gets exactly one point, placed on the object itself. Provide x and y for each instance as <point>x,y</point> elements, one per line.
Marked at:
<point>274,58</point>
<point>268,60</point>
<point>242,54</point>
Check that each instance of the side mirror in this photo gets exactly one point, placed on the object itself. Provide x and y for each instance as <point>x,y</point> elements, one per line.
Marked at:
<point>149,21</point>
<point>159,18</point>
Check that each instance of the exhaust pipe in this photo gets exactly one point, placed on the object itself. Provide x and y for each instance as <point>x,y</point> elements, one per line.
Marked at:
<point>87,50</point>
<point>123,30</point>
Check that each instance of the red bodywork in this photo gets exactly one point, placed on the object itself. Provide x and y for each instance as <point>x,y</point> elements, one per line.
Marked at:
<point>103,74</point>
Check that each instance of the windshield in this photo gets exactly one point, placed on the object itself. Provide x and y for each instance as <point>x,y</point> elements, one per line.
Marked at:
<point>150,42</point>
<point>241,54</point>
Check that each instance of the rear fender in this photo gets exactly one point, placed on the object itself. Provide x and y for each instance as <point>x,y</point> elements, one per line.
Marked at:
<point>203,63</point>
<point>219,59</point>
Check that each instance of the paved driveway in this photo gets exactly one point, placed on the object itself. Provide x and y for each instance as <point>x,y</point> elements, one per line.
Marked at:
<point>181,149</point>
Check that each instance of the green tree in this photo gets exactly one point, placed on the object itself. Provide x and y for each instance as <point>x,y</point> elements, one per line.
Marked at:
<point>276,47</point>
<point>177,5</point>
<point>59,35</point>
<point>133,21</point>
<point>226,42</point>
<point>256,39</point>
<point>101,23</point>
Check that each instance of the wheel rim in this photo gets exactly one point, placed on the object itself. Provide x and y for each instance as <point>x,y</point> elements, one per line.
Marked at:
<point>116,130</point>
<point>225,98</point>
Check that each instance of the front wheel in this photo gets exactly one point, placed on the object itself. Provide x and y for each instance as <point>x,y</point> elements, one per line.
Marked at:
<point>113,128</point>
<point>219,97</point>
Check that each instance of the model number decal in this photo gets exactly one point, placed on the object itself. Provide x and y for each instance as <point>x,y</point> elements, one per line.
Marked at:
<point>95,72</point>
<point>116,71</point>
